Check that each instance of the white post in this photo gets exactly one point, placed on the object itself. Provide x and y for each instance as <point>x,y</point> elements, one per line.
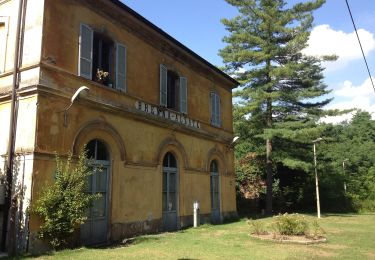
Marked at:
<point>196,211</point>
<point>316,184</point>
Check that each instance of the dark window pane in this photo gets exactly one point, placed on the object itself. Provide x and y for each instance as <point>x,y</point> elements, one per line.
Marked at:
<point>101,152</point>
<point>172,201</point>
<point>172,161</point>
<point>165,201</point>
<point>172,90</point>
<point>165,161</point>
<point>101,179</point>
<point>172,182</point>
<point>99,206</point>
<point>90,147</point>
<point>88,212</point>
<point>169,161</point>
<point>214,167</point>
<point>165,181</point>
<point>216,187</point>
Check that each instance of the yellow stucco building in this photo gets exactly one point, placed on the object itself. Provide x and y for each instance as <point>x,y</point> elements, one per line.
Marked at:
<point>154,115</point>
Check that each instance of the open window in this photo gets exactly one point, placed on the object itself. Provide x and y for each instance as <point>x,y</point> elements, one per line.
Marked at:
<point>173,90</point>
<point>101,59</point>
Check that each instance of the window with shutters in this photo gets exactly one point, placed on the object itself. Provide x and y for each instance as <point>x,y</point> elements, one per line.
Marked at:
<point>173,90</point>
<point>101,58</point>
<point>215,109</point>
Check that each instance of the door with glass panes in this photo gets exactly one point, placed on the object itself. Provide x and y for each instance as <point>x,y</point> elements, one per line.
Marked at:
<point>94,230</point>
<point>170,193</point>
<point>215,192</point>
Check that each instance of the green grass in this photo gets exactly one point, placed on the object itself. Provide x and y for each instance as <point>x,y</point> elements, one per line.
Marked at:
<point>349,237</point>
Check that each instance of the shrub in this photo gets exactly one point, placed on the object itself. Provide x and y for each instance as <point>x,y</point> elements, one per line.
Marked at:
<point>62,205</point>
<point>316,231</point>
<point>257,227</point>
<point>290,225</point>
<point>366,206</point>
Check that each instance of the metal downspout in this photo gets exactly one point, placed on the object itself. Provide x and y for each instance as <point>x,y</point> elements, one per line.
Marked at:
<point>9,202</point>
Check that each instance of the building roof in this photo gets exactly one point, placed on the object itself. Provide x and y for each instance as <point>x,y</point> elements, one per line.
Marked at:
<point>179,44</point>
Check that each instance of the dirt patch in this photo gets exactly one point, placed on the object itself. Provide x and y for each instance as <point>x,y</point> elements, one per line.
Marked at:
<point>371,255</point>
<point>290,239</point>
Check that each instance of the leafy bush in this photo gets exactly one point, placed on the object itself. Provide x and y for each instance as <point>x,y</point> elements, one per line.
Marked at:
<point>290,225</point>
<point>316,231</point>
<point>257,227</point>
<point>365,206</point>
<point>62,205</point>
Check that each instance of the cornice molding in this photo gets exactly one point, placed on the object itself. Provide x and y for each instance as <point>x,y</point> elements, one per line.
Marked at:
<point>139,26</point>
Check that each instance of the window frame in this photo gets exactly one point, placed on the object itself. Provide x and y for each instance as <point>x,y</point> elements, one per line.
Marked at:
<point>114,62</point>
<point>215,109</point>
<point>4,22</point>
<point>181,90</point>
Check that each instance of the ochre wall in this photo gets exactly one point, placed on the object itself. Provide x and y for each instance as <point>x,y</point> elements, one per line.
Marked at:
<point>137,177</point>
<point>143,60</point>
<point>137,142</point>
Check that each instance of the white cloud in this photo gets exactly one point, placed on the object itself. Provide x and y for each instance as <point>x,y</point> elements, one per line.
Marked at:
<point>326,41</point>
<point>347,89</point>
<point>352,97</point>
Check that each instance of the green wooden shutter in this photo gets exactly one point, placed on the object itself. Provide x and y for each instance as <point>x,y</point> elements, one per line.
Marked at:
<point>85,51</point>
<point>212,107</point>
<point>215,109</point>
<point>217,104</point>
<point>183,95</point>
<point>163,85</point>
<point>120,67</point>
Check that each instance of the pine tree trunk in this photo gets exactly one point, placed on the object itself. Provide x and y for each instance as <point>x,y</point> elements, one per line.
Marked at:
<point>269,179</point>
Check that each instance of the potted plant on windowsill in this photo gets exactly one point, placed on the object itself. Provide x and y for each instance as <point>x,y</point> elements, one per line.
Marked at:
<point>103,77</point>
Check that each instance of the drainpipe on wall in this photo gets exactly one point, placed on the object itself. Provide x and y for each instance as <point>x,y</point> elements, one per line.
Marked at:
<point>10,202</point>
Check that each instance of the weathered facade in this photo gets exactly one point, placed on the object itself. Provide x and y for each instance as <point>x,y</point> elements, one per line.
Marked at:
<point>160,123</point>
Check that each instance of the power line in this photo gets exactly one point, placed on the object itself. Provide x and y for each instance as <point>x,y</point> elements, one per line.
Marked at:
<point>359,41</point>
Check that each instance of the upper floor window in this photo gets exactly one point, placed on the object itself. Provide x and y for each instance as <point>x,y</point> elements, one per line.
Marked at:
<point>101,59</point>
<point>215,109</point>
<point>173,90</point>
<point>3,44</point>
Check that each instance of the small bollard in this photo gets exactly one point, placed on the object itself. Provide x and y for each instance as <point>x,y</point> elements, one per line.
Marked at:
<point>196,213</point>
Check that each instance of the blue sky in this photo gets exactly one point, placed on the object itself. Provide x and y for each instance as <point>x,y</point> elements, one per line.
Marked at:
<point>196,24</point>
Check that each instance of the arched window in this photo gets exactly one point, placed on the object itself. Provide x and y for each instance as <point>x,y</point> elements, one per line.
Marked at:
<point>170,192</point>
<point>97,150</point>
<point>215,191</point>
<point>94,230</point>
<point>169,161</point>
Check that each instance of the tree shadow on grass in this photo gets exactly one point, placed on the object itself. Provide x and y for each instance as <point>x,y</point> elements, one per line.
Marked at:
<point>131,241</point>
<point>341,215</point>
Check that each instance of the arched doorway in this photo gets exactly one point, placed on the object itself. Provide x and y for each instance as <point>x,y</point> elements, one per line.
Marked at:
<point>94,231</point>
<point>170,192</point>
<point>215,192</point>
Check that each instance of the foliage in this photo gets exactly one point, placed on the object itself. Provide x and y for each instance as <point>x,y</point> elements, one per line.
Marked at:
<point>62,205</point>
<point>280,100</point>
<point>316,231</point>
<point>290,225</point>
<point>257,227</point>
<point>348,160</point>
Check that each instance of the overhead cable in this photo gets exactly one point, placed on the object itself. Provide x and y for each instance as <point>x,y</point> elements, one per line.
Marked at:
<point>359,41</point>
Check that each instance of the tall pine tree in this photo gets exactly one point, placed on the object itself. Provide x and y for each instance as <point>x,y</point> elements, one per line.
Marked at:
<point>282,89</point>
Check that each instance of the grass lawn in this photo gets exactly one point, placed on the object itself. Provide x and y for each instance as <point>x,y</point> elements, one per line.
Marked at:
<point>349,237</point>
